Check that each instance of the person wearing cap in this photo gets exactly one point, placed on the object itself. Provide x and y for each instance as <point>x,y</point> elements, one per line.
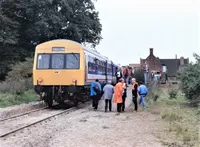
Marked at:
<point>124,85</point>
<point>135,93</point>
<point>108,91</point>
<point>118,92</point>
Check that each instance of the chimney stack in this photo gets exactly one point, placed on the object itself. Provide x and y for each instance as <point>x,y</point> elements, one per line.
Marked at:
<point>151,51</point>
<point>182,61</point>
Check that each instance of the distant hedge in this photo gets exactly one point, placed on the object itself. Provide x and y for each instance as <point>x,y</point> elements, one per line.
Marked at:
<point>190,81</point>
<point>138,75</point>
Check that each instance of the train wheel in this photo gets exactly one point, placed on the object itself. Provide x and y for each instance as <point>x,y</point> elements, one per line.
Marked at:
<point>75,101</point>
<point>49,99</point>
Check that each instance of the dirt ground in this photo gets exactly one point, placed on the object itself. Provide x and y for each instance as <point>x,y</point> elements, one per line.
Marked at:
<point>88,128</point>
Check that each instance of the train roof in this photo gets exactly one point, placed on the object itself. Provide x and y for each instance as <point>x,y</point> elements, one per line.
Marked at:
<point>91,50</point>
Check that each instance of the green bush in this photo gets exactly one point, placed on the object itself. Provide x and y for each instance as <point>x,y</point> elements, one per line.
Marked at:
<point>9,99</point>
<point>19,79</point>
<point>17,88</point>
<point>173,93</point>
<point>138,75</point>
<point>190,82</point>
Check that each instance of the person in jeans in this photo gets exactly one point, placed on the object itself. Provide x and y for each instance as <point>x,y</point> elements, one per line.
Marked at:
<point>118,92</point>
<point>108,91</point>
<point>135,93</point>
<point>95,93</point>
<point>143,91</point>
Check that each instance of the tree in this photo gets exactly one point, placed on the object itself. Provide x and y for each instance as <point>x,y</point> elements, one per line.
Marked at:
<point>8,39</point>
<point>138,75</point>
<point>51,19</point>
<point>190,81</point>
<point>30,22</point>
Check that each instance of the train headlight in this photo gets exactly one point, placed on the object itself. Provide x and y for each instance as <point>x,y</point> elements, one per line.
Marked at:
<point>74,80</point>
<point>39,81</point>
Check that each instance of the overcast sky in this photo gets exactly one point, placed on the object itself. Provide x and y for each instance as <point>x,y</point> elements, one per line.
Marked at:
<point>169,26</point>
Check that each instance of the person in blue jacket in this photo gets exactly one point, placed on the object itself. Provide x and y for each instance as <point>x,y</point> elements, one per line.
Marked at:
<point>95,93</point>
<point>142,91</point>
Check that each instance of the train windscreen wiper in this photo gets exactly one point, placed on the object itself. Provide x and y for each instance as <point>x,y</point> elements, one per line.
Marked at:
<point>74,56</point>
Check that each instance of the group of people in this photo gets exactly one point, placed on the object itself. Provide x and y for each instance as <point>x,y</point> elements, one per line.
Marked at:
<point>118,94</point>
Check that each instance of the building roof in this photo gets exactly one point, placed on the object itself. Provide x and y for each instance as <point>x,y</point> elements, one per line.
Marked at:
<point>172,65</point>
<point>135,65</point>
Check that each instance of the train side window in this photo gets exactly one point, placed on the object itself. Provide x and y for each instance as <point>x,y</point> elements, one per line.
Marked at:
<point>73,61</point>
<point>43,61</point>
<point>57,61</point>
<point>104,67</point>
<point>100,67</point>
<point>89,66</point>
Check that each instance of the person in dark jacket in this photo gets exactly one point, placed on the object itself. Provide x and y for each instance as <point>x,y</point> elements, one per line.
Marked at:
<point>118,75</point>
<point>135,93</point>
<point>124,85</point>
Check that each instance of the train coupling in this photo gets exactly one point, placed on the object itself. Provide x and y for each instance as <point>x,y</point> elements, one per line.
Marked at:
<point>42,95</point>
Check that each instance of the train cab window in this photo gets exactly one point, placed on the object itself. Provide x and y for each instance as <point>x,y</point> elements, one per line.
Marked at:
<point>57,61</point>
<point>73,61</point>
<point>43,61</point>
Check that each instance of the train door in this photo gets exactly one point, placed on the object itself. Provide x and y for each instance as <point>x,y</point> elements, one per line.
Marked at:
<point>112,68</point>
<point>86,68</point>
<point>106,72</point>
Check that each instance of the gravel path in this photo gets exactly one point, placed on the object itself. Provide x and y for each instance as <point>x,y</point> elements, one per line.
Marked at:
<point>87,128</point>
<point>18,109</point>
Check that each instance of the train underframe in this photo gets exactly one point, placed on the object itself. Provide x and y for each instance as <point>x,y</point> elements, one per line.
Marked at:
<point>62,94</point>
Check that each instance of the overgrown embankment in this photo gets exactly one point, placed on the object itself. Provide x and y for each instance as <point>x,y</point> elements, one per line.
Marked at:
<point>178,118</point>
<point>17,88</point>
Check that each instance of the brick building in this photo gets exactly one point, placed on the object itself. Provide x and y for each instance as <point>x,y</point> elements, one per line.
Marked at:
<point>156,64</point>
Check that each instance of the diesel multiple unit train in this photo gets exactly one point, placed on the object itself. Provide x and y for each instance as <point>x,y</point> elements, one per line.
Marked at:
<point>63,71</point>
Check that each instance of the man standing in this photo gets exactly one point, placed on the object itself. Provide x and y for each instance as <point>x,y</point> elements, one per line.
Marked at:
<point>143,91</point>
<point>124,94</point>
<point>118,75</point>
<point>126,74</point>
<point>108,95</point>
<point>118,92</point>
<point>95,93</point>
<point>134,93</point>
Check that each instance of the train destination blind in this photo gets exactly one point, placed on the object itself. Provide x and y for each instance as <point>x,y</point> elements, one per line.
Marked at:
<point>58,49</point>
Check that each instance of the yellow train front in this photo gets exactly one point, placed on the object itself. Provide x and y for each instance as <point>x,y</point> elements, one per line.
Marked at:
<point>59,71</point>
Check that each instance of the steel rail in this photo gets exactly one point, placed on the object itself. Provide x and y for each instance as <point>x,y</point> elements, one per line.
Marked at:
<point>36,122</point>
<point>23,114</point>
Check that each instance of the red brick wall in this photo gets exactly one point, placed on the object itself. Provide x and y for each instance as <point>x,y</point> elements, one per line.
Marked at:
<point>152,61</point>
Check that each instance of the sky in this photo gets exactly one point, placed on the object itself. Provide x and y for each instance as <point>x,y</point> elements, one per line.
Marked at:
<point>131,27</point>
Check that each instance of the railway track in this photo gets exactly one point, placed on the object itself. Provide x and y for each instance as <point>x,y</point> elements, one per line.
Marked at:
<point>21,127</point>
<point>22,114</point>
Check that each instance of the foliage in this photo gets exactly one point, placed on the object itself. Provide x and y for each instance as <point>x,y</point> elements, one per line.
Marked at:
<point>19,78</point>
<point>9,99</point>
<point>17,88</point>
<point>190,82</point>
<point>25,24</point>
<point>138,75</point>
<point>173,93</point>
<point>178,120</point>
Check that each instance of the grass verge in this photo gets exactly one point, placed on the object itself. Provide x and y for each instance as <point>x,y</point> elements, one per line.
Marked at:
<point>179,121</point>
<point>10,99</point>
